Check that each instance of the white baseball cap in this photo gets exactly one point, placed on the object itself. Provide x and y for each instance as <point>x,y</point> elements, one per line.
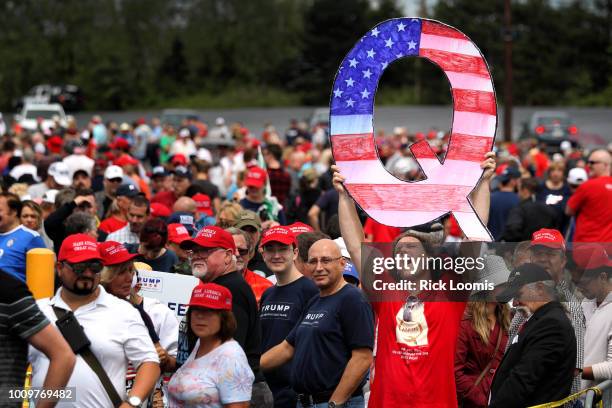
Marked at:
<point>113,172</point>
<point>49,196</point>
<point>204,154</point>
<point>343,251</point>
<point>184,132</point>
<point>219,121</point>
<point>577,176</point>
<point>60,173</point>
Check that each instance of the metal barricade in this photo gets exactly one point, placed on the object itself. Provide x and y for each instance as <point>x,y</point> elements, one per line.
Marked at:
<point>592,397</point>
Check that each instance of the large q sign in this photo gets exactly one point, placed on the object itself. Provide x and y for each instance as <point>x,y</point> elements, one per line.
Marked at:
<point>385,198</point>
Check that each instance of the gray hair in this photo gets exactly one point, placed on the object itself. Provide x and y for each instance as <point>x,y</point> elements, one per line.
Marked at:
<point>550,288</point>
<point>247,237</point>
<point>80,223</point>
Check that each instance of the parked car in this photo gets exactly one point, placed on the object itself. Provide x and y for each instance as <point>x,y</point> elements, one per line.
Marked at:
<point>32,112</point>
<point>68,95</point>
<point>175,117</point>
<point>551,128</point>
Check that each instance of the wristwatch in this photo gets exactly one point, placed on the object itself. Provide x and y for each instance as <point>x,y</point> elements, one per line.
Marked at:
<point>332,404</point>
<point>134,401</point>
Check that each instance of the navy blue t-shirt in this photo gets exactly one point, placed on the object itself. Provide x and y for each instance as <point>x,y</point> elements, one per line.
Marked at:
<point>501,204</point>
<point>281,307</point>
<point>332,327</point>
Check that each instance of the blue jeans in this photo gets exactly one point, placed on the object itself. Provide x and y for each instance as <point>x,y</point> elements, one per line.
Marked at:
<point>354,402</point>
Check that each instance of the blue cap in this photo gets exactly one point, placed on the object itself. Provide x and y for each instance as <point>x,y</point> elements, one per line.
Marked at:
<point>350,270</point>
<point>509,173</point>
<point>185,218</point>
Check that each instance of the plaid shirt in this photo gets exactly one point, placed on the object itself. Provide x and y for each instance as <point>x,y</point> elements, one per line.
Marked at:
<point>124,236</point>
<point>280,184</point>
<point>575,314</point>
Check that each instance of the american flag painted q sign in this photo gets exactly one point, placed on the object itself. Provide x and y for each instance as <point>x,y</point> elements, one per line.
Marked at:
<point>385,198</point>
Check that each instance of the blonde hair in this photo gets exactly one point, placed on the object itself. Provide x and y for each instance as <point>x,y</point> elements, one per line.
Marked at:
<point>477,313</point>
<point>230,209</point>
<point>110,272</point>
<point>20,189</point>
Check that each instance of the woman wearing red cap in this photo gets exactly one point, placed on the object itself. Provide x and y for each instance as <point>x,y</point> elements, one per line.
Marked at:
<point>216,373</point>
<point>119,278</point>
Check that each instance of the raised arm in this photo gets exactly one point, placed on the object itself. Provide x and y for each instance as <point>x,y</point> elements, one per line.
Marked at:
<point>350,226</point>
<point>481,195</point>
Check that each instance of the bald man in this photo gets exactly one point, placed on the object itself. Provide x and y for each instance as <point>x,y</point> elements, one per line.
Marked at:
<point>184,204</point>
<point>331,348</point>
<point>591,201</point>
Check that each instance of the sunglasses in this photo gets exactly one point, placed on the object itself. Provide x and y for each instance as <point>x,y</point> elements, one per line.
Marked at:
<point>593,162</point>
<point>243,251</point>
<point>80,267</point>
<point>115,180</point>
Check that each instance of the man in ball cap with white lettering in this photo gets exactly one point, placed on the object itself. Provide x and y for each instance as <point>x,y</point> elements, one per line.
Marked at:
<point>113,327</point>
<point>213,259</point>
<point>539,364</point>
<point>282,305</point>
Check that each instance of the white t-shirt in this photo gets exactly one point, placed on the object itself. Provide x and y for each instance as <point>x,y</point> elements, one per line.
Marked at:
<point>117,334</point>
<point>165,322</point>
<point>222,376</point>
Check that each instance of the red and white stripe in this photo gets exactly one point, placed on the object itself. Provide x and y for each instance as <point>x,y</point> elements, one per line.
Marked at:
<point>398,203</point>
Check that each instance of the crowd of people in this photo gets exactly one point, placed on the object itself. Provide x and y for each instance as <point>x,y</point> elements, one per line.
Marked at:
<point>284,313</point>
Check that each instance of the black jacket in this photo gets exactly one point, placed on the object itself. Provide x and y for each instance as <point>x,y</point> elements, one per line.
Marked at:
<point>539,367</point>
<point>528,217</point>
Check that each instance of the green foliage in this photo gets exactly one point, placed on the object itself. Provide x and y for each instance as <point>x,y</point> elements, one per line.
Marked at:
<point>230,53</point>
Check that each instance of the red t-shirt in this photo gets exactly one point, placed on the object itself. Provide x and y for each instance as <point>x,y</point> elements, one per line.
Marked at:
<point>592,202</point>
<point>414,363</point>
<point>257,283</point>
<point>380,232</point>
<point>112,224</point>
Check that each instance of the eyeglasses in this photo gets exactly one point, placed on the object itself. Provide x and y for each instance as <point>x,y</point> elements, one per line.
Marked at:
<point>115,180</point>
<point>80,267</point>
<point>243,251</point>
<point>324,261</point>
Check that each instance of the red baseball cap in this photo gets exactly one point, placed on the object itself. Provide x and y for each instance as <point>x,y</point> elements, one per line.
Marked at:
<point>160,210</point>
<point>177,233</point>
<point>179,159</point>
<point>591,256</point>
<point>211,237</point>
<point>298,228</point>
<point>550,238</point>
<point>79,248</point>
<point>203,203</point>
<point>114,253</point>
<point>255,177</point>
<point>54,144</point>
<point>278,234</point>
<point>211,296</point>
<point>125,160</point>
<point>121,143</point>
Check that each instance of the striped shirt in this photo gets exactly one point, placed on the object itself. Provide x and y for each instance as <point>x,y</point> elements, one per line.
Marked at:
<point>20,319</point>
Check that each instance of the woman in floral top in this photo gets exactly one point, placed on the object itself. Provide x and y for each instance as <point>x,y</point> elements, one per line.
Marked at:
<point>216,373</point>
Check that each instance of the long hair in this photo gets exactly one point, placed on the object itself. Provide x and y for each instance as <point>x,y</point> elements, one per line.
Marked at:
<point>477,313</point>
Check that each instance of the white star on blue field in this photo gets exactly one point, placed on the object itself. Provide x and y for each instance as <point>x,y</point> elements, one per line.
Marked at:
<point>360,71</point>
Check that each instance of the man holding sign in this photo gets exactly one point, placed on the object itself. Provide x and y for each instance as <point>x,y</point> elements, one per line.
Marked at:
<point>415,369</point>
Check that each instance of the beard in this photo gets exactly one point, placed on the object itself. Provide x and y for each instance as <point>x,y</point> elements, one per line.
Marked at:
<point>81,291</point>
<point>199,271</point>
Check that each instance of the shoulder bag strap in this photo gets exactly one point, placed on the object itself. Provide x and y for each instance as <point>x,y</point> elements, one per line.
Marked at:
<point>484,372</point>
<point>93,362</point>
